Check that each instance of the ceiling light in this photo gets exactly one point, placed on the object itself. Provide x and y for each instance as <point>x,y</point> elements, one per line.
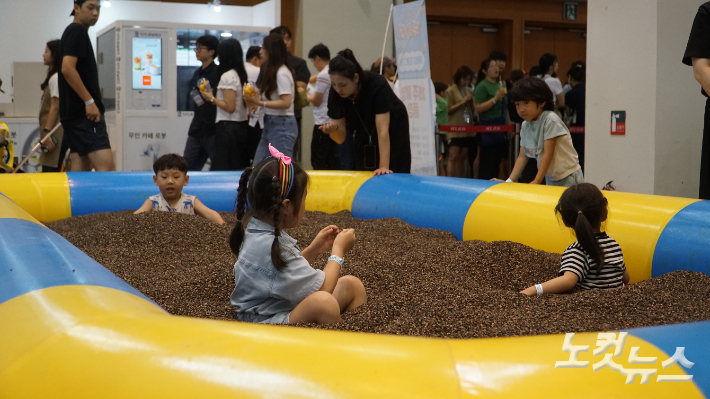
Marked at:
<point>226,34</point>
<point>107,4</point>
<point>216,5</point>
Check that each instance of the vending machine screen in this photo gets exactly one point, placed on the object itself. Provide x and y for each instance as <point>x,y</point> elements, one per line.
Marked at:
<point>147,61</point>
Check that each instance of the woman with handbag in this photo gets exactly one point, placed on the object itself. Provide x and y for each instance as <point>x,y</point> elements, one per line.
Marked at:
<point>366,102</point>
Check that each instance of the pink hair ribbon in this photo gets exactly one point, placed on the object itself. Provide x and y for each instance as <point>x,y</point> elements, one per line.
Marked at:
<point>279,155</point>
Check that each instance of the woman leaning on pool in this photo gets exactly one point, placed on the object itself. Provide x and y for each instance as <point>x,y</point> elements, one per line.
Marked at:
<point>370,107</point>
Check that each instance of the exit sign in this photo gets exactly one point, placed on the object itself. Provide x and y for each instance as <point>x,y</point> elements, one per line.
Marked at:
<point>570,11</point>
<point>618,123</point>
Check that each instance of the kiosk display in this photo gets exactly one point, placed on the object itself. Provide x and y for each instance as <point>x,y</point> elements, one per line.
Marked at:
<point>147,62</point>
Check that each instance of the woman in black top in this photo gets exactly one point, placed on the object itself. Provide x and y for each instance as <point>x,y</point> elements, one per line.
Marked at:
<point>365,101</point>
<point>697,54</point>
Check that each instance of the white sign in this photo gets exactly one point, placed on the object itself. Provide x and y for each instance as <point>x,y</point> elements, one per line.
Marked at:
<point>414,84</point>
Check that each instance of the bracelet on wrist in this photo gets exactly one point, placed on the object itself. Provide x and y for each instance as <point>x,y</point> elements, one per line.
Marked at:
<point>89,102</point>
<point>337,259</point>
<point>538,288</point>
<point>494,101</point>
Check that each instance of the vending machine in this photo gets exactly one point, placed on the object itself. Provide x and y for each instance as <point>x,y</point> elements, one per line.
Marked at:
<point>144,71</point>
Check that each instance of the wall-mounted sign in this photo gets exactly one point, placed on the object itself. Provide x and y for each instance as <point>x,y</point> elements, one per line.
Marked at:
<point>570,11</point>
<point>618,123</point>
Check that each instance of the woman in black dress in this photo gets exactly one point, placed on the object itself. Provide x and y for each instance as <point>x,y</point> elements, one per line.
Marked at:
<point>697,54</point>
<point>365,102</point>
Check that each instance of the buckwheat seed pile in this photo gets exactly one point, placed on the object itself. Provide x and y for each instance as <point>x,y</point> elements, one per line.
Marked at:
<point>419,282</point>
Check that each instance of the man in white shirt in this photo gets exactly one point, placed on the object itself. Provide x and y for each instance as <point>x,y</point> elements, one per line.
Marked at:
<point>322,147</point>
<point>253,66</point>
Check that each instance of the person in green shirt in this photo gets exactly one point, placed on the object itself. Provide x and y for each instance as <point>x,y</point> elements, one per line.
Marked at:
<point>442,119</point>
<point>489,98</point>
<point>442,105</point>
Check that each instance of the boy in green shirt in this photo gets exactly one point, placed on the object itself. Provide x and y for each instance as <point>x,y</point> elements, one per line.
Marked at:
<point>442,105</point>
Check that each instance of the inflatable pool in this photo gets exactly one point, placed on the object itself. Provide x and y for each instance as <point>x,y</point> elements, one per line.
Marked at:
<point>70,328</point>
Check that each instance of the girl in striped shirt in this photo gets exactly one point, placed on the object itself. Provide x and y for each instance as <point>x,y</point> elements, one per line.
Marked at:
<point>595,259</point>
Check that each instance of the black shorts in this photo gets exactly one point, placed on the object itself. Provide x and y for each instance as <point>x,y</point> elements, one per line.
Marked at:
<point>85,136</point>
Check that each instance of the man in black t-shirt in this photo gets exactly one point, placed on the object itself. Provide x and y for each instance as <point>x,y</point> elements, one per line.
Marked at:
<point>302,74</point>
<point>697,54</point>
<point>80,107</point>
<point>200,137</point>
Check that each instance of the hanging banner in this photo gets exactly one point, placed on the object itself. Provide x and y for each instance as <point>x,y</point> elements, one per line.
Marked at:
<point>414,84</point>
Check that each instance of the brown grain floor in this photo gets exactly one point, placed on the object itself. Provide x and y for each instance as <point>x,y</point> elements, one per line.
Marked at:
<point>419,282</point>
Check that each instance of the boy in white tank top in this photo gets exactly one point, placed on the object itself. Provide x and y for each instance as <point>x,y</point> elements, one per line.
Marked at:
<point>170,177</point>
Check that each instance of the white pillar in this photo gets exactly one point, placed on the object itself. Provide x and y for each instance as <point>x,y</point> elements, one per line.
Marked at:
<point>634,52</point>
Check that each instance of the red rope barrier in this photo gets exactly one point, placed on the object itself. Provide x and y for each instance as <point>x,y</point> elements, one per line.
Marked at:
<point>477,129</point>
<point>493,129</point>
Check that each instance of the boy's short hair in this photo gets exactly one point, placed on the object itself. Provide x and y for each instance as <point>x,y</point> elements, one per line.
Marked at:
<point>320,50</point>
<point>439,87</point>
<point>535,90</point>
<point>210,42</point>
<point>170,161</point>
<point>252,52</point>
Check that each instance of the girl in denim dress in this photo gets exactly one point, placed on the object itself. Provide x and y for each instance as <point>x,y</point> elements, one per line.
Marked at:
<point>274,280</point>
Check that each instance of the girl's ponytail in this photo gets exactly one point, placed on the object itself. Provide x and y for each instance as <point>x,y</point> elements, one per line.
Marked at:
<point>237,236</point>
<point>276,258</point>
<point>586,237</point>
<point>583,208</point>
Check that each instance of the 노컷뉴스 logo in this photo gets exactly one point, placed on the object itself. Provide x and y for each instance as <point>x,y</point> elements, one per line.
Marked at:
<point>606,341</point>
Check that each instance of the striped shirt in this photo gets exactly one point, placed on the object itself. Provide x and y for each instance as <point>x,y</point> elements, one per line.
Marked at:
<point>577,261</point>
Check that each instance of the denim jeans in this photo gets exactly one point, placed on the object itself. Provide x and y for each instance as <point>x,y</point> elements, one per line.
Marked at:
<point>279,130</point>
